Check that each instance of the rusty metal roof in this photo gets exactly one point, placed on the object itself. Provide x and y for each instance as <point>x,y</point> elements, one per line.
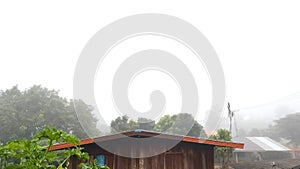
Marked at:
<point>145,134</point>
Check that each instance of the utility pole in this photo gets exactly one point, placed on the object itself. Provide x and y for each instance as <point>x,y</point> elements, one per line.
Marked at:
<point>229,150</point>
<point>230,116</point>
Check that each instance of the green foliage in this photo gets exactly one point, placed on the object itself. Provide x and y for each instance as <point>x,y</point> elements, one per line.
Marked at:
<point>288,128</point>
<point>93,165</point>
<point>197,131</point>
<point>223,154</point>
<point>35,153</point>
<point>123,123</point>
<point>145,124</point>
<point>222,134</point>
<point>164,123</point>
<point>176,124</point>
<point>24,113</point>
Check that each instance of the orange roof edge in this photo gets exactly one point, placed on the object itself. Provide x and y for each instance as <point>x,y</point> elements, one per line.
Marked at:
<point>214,142</point>
<point>147,133</point>
<point>68,145</point>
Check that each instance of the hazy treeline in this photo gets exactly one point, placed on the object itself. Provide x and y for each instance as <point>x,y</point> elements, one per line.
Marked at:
<point>180,124</point>
<point>24,113</point>
<point>285,130</point>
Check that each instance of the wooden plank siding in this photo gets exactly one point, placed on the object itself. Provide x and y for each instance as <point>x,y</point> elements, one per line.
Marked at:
<point>182,156</point>
<point>189,153</point>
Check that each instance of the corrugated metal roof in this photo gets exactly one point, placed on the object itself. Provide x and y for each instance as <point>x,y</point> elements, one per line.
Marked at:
<point>143,133</point>
<point>259,144</point>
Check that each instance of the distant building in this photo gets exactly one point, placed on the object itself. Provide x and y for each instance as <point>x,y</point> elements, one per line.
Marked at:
<point>260,148</point>
<point>269,164</point>
<point>189,153</point>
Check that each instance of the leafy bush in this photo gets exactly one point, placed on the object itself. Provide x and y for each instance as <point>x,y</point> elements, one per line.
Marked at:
<point>223,154</point>
<point>36,154</point>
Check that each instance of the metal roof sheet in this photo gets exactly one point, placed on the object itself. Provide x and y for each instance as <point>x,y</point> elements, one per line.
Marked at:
<point>143,133</point>
<point>259,144</point>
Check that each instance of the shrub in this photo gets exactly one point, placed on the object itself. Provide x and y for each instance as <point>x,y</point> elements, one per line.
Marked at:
<point>36,154</point>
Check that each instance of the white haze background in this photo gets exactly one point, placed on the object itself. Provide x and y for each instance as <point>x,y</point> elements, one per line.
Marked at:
<point>258,43</point>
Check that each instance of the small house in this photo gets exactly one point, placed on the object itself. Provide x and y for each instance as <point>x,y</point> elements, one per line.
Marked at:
<point>187,152</point>
<point>260,148</point>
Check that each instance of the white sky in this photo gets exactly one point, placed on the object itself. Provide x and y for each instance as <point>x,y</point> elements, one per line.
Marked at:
<point>258,42</point>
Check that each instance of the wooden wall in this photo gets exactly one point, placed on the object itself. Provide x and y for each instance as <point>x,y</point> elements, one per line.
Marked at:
<point>182,156</point>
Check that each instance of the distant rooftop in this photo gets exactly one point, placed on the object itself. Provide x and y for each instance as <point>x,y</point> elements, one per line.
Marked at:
<point>259,144</point>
